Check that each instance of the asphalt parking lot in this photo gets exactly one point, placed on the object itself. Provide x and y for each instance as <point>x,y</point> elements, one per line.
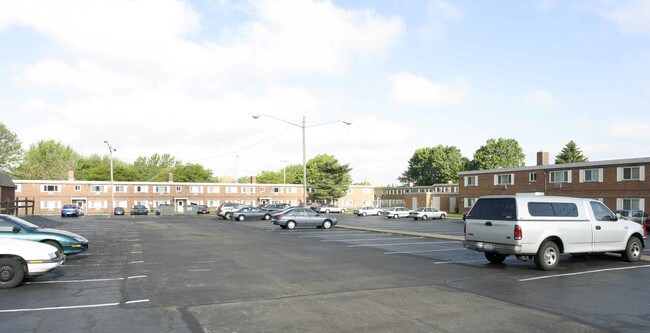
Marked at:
<point>369,274</point>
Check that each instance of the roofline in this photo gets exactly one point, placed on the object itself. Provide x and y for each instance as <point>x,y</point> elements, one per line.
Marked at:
<point>107,182</point>
<point>639,160</point>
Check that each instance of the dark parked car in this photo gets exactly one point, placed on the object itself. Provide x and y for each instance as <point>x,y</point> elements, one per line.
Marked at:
<point>139,210</point>
<point>71,210</point>
<point>291,218</point>
<point>276,207</point>
<point>119,211</point>
<point>226,209</point>
<point>247,213</point>
<point>202,209</point>
<point>66,242</point>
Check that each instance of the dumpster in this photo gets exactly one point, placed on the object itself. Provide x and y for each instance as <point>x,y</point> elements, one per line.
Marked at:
<point>165,210</point>
<point>190,210</point>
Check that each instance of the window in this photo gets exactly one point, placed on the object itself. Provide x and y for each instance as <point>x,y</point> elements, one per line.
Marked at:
<point>161,189</point>
<point>98,188</point>
<point>601,212</point>
<point>552,209</point>
<point>262,189</point>
<point>214,189</point>
<point>50,188</point>
<point>214,203</point>
<point>292,190</point>
<point>630,203</point>
<point>120,203</point>
<point>591,175</point>
<point>120,189</point>
<point>494,209</point>
<point>532,177</point>
<point>180,189</point>
<point>471,181</point>
<point>277,190</point>
<point>195,189</point>
<point>630,173</point>
<point>507,179</point>
<point>77,188</point>
<point>231,189</point>
<point>97,204</point>
<point>141,189</point>
<point>560,176</point>
<point>50,204</point>
<point>469,202</point>
<point>247,190</point>
<point>350,191</point>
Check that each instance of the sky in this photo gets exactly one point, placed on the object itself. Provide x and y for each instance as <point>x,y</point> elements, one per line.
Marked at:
<point>186,77</point>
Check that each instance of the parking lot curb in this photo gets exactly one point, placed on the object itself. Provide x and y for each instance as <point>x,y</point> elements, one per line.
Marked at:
<point>405,233</point>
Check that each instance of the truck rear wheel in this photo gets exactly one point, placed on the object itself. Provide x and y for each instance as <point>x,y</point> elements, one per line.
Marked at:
<point>548,256</point>
<point>495,258</point>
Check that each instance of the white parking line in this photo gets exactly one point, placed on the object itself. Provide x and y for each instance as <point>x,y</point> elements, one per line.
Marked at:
<point>443,250</point>
<point>367,239</point>
<point>136,262</point>
<point>337,235</point>
<point>88,280</point>
<point>391,244</point>
<point>73,307</point>
<point>582,273</point>
<point>456,262</point>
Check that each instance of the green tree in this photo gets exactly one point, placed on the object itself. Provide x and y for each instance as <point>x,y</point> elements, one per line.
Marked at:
<point>11,151</point>
<point>98,167</point>
<point>189,173</point>
<point>328,178</point>
<point>499,153</point>
<point>270,177</point>
<point>433,165</point>
<point>293,174</point>
<point>48,160</point>
<point>570,154</point>
<point>155,167</point>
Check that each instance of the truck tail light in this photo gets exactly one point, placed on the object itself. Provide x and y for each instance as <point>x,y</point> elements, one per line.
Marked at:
<point>518,233</point>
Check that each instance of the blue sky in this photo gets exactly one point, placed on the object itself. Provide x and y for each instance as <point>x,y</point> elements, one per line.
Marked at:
<point>184,78</point>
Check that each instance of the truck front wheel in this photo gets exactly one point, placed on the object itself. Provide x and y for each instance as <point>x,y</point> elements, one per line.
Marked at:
<point>548,256</point>
<point>633,250</point>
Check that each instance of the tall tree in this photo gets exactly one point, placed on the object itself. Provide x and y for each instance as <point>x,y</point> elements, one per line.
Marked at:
<point>48,160</point>
<point>11,151</point>
<point>328,178</point>
<point>433,165</point>
<point>570,154</point>
<point>292,173</point>
<point>154,167</point>
<point>499,153</point>
<point>189,173</point>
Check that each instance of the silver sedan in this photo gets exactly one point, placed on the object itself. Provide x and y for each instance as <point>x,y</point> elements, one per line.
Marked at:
<point>291,218</point>
<point>427,213</point>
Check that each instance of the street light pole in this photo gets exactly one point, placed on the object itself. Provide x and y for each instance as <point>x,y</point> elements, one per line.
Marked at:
<point>110,152</point>
<point>304,126</point>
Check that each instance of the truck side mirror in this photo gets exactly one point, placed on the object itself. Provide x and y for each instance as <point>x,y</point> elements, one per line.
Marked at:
<point>464,216</point>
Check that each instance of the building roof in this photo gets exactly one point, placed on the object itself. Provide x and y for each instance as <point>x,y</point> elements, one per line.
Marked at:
<point>5,181</point>
<point>628,161</point>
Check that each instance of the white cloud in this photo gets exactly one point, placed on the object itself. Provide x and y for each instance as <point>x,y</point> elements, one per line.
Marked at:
<point>630,17</point>
<point>539,98</point>
<point>445,10</point>
<point>413,90</point>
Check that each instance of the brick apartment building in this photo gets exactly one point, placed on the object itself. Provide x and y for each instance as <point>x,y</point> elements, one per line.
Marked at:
<point>439,196</point>
<point>619,184</point>
<point>95,196</point>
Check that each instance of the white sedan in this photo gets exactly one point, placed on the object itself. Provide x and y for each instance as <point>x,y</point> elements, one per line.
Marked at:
<point>396,212</point>
<point>363,211</point>
<point>427,213</point>
<point>22,258</point>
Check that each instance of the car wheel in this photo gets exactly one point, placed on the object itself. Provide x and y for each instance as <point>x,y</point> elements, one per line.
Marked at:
<point>395,216</point>
<point>379,213</point>
<point>364,214</point>
<point>327,224</point>
<point>442,216</point>
<point>11,273</point>
<point>267,217</point>
<point>291,225</point>
<point>227,216</point>
<point>633,250</point>
<point>55,244</point>
<point>241,218</point>
<point>424,217</point>
<point>327,211</point>
<point>548,256</point>
<point>415,219</point>
<point>495,258</point>
<point>342,211</point>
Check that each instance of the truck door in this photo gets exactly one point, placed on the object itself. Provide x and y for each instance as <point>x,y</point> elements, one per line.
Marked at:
<point>609,234</point>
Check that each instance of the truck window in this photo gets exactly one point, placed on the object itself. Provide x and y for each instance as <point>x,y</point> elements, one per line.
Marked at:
<point>494,209</point>
<point>552,209</point>
<point>601,212</point>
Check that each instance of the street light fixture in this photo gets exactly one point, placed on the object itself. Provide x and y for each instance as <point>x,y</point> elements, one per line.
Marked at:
<point>302,125</point>
<point>110,152</point>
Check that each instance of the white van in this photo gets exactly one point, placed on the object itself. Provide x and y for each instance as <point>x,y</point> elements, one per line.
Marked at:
<point>542,227</point>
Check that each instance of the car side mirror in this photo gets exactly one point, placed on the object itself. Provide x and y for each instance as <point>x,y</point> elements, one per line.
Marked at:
<point>16,230</point>
<point>464,217</point>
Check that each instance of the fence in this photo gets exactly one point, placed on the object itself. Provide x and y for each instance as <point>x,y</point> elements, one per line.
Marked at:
<point>13,206</point>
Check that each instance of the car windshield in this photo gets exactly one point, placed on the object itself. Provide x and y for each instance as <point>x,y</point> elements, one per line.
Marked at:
<point>20,222</point>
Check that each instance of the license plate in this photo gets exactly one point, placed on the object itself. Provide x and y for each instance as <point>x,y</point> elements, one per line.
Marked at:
<point>488,247</point>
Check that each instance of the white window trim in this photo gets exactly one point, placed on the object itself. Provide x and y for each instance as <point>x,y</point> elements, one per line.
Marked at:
<point>465,181</point>
<point>510,182</point>
<point>568,178</point>
<point>619,173</point>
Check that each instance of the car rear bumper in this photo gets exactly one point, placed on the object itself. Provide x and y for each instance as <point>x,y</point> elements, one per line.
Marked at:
<point>493,247</point>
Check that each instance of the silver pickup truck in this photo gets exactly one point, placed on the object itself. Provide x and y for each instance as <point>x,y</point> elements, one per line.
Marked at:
<point>543,227</point>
